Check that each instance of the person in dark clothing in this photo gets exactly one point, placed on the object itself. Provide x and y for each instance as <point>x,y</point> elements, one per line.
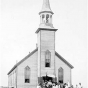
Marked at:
<point>64,85</point>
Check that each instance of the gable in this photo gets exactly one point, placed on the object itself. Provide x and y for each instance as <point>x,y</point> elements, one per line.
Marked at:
<point>59,56</point>
<point>22,60</point>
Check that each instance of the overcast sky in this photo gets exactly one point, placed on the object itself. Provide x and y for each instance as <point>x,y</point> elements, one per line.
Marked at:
<point>20,20</point>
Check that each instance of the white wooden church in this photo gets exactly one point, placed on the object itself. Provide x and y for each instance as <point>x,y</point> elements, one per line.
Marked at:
<point>44,60</point>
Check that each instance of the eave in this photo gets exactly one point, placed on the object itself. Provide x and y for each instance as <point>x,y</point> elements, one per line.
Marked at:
<point>22,60</point>
<point>66,62</point>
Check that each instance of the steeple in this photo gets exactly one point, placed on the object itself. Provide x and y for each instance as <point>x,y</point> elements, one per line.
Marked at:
<point>46,7</point>
<point>46,15</point>
<point>46,42</point>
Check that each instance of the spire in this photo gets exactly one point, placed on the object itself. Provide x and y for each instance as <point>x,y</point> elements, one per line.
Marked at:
<point>46,7</point>
<point>46,15</point>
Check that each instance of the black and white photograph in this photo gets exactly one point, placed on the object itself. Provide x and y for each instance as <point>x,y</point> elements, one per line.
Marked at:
<point>43,44</point>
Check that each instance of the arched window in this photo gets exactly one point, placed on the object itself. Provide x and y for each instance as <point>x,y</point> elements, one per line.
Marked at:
<point>27,74</point>
<point>60,75</point>
<point>47,58</point>
<point>43,16</point>
<point>50,16</point>
<point>47,18</point>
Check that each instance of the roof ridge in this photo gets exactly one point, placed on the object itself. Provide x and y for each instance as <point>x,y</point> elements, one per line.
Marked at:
<point>46,7</point>
<point>58,55</point>
<point>22,60</point>
<point>66,62</point>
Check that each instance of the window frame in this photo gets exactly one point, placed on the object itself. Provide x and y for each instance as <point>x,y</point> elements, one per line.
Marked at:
<point>47,18</point>
<point>61,76</point>
<point>27,72</point>
<point>47,58</point>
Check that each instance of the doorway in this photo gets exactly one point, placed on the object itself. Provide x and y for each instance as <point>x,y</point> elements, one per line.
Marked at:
<point>47,78</point>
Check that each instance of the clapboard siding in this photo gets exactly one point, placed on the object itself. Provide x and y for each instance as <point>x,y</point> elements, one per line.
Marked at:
<point>32,63</point>
<point>39,52</point>
<point>46,41</point>
<point>67,70</point>
<point>12,79</point>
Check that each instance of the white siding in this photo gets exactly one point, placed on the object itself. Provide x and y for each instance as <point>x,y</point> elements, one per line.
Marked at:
<point>32,63</point>
<point>67,70</point>
<point>46,41</point>
<point>12,79</point>
<point>38,40</point>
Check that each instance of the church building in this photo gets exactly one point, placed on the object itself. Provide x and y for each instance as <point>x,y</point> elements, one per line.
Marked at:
<point>43,63</point>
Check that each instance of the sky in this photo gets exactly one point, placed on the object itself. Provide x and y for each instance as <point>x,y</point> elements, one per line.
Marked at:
<point>20,20</point>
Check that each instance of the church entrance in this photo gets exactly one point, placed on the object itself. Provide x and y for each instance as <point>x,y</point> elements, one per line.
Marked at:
<point>47,78</point>
<point>47,82</point>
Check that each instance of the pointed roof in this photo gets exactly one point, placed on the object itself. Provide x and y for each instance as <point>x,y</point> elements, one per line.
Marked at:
<point>22,60</point>
<point>59,56</point>
<point>46,7</point>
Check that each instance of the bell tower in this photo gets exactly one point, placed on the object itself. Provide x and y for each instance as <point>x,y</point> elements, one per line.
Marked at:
<point>46,15</point>
<point>46,42</point>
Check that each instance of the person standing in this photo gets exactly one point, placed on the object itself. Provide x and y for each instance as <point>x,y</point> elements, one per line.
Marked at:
<point>53,86</point>
<point>50,84</point>
<point>38,86</point>
<point>60,86</point>
<point>66,86</point>
<point>76,86</point>
<point>57,85</point>
<point>79,86</point>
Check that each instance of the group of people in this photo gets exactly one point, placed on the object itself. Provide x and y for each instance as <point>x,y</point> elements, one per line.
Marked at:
<point>68,86</point>
<point>79,86</point>
<point>50,84</point>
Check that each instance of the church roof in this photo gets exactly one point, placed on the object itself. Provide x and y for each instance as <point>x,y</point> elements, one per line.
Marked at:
<point>22,60</point>
<point>46,7</point>
<point>59,56</point>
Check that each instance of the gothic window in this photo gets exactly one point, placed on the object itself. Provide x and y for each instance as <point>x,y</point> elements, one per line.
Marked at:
<point>47,18</point>
<point>60,75</point>
<point>47,58</point>
<point>43,18</point>
<point>50,16</point>
<point>27,74</point>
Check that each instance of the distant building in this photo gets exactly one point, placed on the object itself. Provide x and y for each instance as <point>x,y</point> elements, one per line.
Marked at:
<point>43,63</point>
